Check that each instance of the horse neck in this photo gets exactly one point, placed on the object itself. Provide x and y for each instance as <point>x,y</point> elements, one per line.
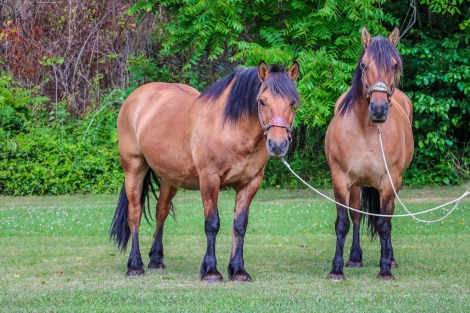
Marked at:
<point>250,126</point>
<point>246,129</point>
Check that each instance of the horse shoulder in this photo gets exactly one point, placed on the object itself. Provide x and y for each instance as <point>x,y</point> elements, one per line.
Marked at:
<point>404,102</point>
<point>334,137</point>
<point>331,127</point>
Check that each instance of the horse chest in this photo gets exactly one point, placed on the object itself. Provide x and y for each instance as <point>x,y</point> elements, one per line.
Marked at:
<point>367,172</point>
<point>358,157</point>
<point>244,169</point>
<point>364,162</point>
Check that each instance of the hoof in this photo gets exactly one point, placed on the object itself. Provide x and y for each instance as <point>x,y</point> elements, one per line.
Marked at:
<point>135,272</point>
<point>335,277</point>
<point>241,277</point>
<point>352,264</point>
<point>155,266</point>
<point>394,264</point>
<point>386,277</point>
<point>212,278</point>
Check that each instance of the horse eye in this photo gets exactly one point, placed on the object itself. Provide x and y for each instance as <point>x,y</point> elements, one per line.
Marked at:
<point>363,65</point>
<point>293,103</point>
<point>395,66</point>
<point>261,102</point>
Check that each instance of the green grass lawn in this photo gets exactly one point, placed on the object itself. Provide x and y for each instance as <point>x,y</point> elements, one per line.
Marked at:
<point>55,256</point>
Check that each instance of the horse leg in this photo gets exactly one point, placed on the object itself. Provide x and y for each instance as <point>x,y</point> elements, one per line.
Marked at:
<point>394,262</point>
<point>135,170</point>
<point>167,193</point>
<point>236,266</point>
<point>341,228</point>
<point>355,255</point>
<point>210,186</point>
<point>384,229</point>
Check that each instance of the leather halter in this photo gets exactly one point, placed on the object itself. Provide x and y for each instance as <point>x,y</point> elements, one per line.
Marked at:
<point>278,121</point>
<point>379,86</point>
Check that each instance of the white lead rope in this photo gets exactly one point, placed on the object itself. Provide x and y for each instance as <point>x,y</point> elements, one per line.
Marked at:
<point>385,215</point>
<point>403,205</point>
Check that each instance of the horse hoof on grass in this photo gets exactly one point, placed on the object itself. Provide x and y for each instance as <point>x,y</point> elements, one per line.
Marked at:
<point>335,277</point>
<point>241,277</point>
<point>212,278</point>
<point>352,264</point>
<point>386,277</point>
<point>135,272</point>
<point>155,266</point>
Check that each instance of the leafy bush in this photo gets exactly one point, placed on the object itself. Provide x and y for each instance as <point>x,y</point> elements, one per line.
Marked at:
<point>439,92</point>
<point>59,154</point>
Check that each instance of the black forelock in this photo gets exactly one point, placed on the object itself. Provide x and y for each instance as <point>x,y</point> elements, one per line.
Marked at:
<point>382,51</point>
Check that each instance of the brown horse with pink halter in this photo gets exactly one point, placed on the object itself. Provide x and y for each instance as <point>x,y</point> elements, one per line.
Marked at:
<point>353,150</point>
<point>172,134</point>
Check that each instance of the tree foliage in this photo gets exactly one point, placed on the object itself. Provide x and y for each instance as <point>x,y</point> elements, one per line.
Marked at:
<point>87,57</point>
<point>437,80</point>
<point>323,36</point>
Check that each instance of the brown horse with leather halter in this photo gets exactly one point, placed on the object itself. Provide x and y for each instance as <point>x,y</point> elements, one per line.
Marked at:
<point>172,134</point>
<point>353,151</point>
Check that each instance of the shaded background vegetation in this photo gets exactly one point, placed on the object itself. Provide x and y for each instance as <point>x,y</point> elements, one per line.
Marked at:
<point>67,66</point>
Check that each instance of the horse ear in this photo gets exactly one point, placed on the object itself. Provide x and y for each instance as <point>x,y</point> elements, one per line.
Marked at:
<point>263,71</point>
<point>365,37</point>
<point>394,36</point>
<point>294,71</point>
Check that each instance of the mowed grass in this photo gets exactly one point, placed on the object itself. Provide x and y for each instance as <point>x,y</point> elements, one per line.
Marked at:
<point>55,256</point>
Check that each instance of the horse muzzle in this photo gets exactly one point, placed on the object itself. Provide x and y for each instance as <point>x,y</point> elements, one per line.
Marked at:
<point>379,112</point>
<point>277,148</point>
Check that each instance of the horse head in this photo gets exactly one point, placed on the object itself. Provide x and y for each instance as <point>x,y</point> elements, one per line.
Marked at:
<point>381,66</point>
<point>276,102</point>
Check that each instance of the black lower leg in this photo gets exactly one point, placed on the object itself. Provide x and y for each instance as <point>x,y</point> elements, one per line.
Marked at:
<point>384,228</point>
<point>156,252</point>
<point>355,256</point>
<point>209,263</point>
<point>342,228</point>
<point>135,266</point>
<point>236,265</point>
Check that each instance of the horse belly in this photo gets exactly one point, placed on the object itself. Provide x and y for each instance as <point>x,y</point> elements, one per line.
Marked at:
<point>172,162</point>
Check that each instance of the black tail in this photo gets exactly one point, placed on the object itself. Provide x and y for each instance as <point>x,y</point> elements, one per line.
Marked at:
<point>145,197</point>
<point>371,203</point>
<point>119,230</point>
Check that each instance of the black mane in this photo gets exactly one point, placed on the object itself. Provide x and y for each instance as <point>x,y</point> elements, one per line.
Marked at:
<point>243,96</point>
<point>382,51</point>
